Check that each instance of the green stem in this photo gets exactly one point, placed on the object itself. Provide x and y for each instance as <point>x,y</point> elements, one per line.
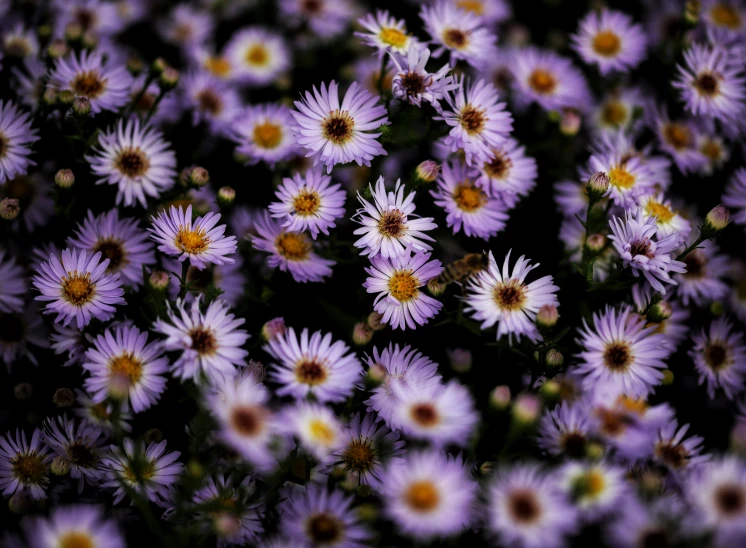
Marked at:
<point>136,101</point>
<point>154,106</point>
<point>692,247</point>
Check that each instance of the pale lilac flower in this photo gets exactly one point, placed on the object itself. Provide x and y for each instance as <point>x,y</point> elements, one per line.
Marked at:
<point>704,279</point>
<point>79,445</point>
<point>411,82</point>
<point>566,430</point>
<point>674,451</point>
<point>610,40</point>
<point>257,56</point>
<point>16,138</point>
<point>74,525</point>
<point>187,26</point>
<point>211,100</point>
<point>679,139</point>
<point>385,33</point>
<point>24,466</point>
<point>315,426</point>
<point>264,133</point>
<point>719,356</point>
<point>509,174</point>
<point>12,284</point>
<point>595,488</point>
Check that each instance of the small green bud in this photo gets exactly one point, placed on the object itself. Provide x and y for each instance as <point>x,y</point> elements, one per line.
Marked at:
<point>64,178</point>
<point>9,208</point>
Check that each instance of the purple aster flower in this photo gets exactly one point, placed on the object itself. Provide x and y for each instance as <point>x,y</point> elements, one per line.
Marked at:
<point>411,82</point>
<point>665,519</point>
<point>669,221</point>
<point>679,138</point>
<point>468,206</point>
<point>509,174</point>
<point>24,466</point>
<point>79,445</point>
<point>309,202</point>
<point>211,100</point>
<point>703,281</point>
<point>210,341</point>
<point>313,365</point>
<point>106,84</point>
<point>16,138</point>
<point>489,11</point>
<point>610,40</point>
<point>389,224</point>
<point>12,284</point>
<point>70,340</point>
<point>621,354</point>
<point>711,83</point>
<point>397,281</point>
<point>74,525</point>
<point>719,356</point>
<point>316,516</point>
<point>339,134</point>
<point>187,27</point>
<point>674,451</point>
<point>36,197</point>
<point>264,133</point>
<point>566,430</point>
<point>123,366</point>
<point>429,495</point>
<point>504,298</point>
<point>136,159</point>
<point>257,56</point>
<point>325,18</point>
<point>201,240</point>
<point>385,33</point>
<point>459,32</point>
<point>527,508</point>
<point>724,20</point>
<point>616,111</point>
<point>101,415</point>
<point>77,287</point>
<point>735,196</point>
<point>629,177</point>
<point>595,488</point>
<point>292,252</point>
<point>314,426</point>
<point>119,240</point>
<point>96,16</point>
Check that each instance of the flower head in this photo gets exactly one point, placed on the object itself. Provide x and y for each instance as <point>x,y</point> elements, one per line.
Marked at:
<point>385,33</point>
<point>257,56</point>
<point>80,445</point>
<point>719,356</point>
<point>24,466</point>
<point>16,138</point>
<point>412,83</point>
<point>74,526</point>
<point>610,40</point>
<point>264,133</point>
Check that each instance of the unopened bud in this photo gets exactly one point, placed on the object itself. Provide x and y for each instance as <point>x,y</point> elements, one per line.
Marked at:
<point>526,409</point>
<point>57,48</point>
<point>64,178</point>
<point>273,329</point>
<point>90,39</point>
<point>44,31</point>
<point>594,451</point>
<point>168,79</point>
<point>60,466</point>
<point>595,242</point>
<point>374,321</point>
<point>570,122</point>
<point>63,397</point>
<point>554,358</point>
<point>500,397</point>
<point>73,32</point>
<point>375,375</point>
<point>195,468</point>
<point>154,435</point>
<point>226,195</point>
<point>65,97</point>
<point>435,287</point>
<point>82,106</point>
<point>667,377</point>
<point>692,9</point>
<point>194,176</point>
<point>598,185</point>
<point>427,171</point>
<point>659,312</point>
<point>460,358</point>
<point>158,280</point>
<point>135,65</point>
<point>49,97</point>
<point>23,391</point>
<point>158,66</point>
<point>551,390</point>
<point>9,208</point>
<point>362,334</point>
<point>547,316</point>
<point>716,220</point>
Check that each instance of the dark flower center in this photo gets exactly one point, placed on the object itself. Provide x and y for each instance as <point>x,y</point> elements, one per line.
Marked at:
<point>29,468</point>
<point>707,84</point>
<point>696,263</point>
<point>455,38</point>
<point>641,247</point>
<point>730,499</point>
<point>338,126</point>
<point>573,444</point>
<point>324,528</point>
<point>413,83</point>
<point>473,120</point>
<point>391,224</point>
<point>210,102</point>
<point>132,162</point>
<point>524,507</point>
<point>88,84</point>
<point>672,455</point>
<point>617,356</point>
<point>424,414</point>
<point>81,454</point>
<point>509,296</point>
<point>358,456</point>
<point>677,135</point>
<point>499,167</point>
<point>716,355</point>
<point>311,372</point>
<point>203,341</point>
<point>247,420</point>
<point>112,250</point>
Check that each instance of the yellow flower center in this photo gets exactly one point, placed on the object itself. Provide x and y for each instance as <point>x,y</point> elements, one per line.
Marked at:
<point>542,81</point>
<point>257,55</point>
<point>393,37</point>
<point>140,473</point>
<point>677,135</point>
<point>358,456</point>
<point>614,113</point>
<point>422,496</point>
<point>78,290</point>
<point>127,366</point>
<point>337,127</point>
<point>621,178</point>
<point>321,432</point>
<point>219,66</point>
<point>660,211</point>
<point>403,285</point>
<point>473,120</point>
<point>88,84</point>
<point>191,241</point>
<point>595,483</point>
<point>711,149</point>
<point>468,196</point>
<point>293,246</point>
<point>510,295</point>
<point>307,202</point>
<point>473,6</point>
<point>455,38</point>
<point>76,539</point>
<point>607,43</point>
<point>638,406</point>
<point>267,135</point>
<point>311,372</point>
<point>726,16</point>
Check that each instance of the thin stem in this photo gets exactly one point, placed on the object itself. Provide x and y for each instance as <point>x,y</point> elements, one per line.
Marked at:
<point>692,247</point>
<point>183,279</point>
<point>154,106</point>
<point>136,101</point>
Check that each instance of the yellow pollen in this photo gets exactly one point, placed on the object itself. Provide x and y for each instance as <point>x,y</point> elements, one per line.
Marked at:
<point>293,246</point>
<point>660,211</point>
<point>143,473</point>
<point>595,483</point>
<point>88,84</point>
<point>711,149</point>
<point>78,290</point>
<point>126,365</point>
<point>267,135</point>
<point>726,16</point>
<point>621,178</point>
<point>468,196</point>
<point>76,539</point>
<point>393,37</point>
<point>257,55</point>
<point>638,406</point>
<point>219,66</point>
<point>191,241</point>
<point>403,285</point>
<point>614,113</point>
<point>677,135</point>
<point>321,432</point>
<point>542,81</point>
<point>29,468</point>
<point>607,43</point>
<point>473,6</point>
<point>422,496</point>
<point>306,203</point>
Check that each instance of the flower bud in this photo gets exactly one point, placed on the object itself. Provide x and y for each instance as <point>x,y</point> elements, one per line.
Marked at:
<point>63,397</point>
<point>460,358</point>
<point>9,208</point>
<point>595,242</point>
<point>667,377</point>
<point>547,316</point>
<point>435,287</point>
<point>500,397</point>
<point>659,312</point>
<point>57,48</point>
<point>82,106</point>
<point>195,176</point>
<point>158,66</point>
<point>594,451</point>
<point>374,321</point>
<point>570,122</point>
<point>60,466</point>
<point>154,435</point>
<point>195,469</point>
<point>526,409</point>
<point>368,512</point>
<point>362,334</point>
<point>375,375</point>
<point>73,32</point>
<point>273,329</point>
<point>23,391</point>
<point>168,79</point>
<point>158,280</point>
<point>64,178</point>
<point>551,390</point>
<point>427,171</point>
<point>65,97</point>
<point>598,185</point>
<point>716,220</point>
<point>226,195</point>
<point>554,358</point>
<point>226,524</point>
<point>49,97</point>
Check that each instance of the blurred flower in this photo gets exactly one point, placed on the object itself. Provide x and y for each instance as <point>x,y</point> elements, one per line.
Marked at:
<point>264,133</point>
<point>257,56</point>
<point>80,445</point>
<point>74,525</point>
<point>24,466</point>
<point>386,34</point>
<point>719,356</point>
<point>610,40</point>
<point>16,139</point>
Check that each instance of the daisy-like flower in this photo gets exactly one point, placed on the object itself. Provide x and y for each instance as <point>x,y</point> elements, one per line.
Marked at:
<point>735,196</point>
<point>105,84</point>
<point>466,203</point>
<point>74,526</point>
<point>615,111</point>
<point>389,224</point>
<point>17,331</point>
<point>264,133</point>
<point>595,488</point>
<point>24,466</point>
<point>718,494</point>
<point>490,11</point>
<point>725,20</point>
<point>385,33</point>
<point>412,83</point>
<point>257,56</point>
<point>339,134</point>
<point>315,426</point>
<point>124,366</point>
<point>101,415</point>
<point>509,174</point>
<point>290,251</point>
<point>367,445</point>
<point>629,178</point>
<point>620,355</point>
<point>711,83</point>
<point>459,32</point>
<point>319,517</point>
<point>136,159</point>
<point>440,414</point>
<point>675,328</point>
<point>211,100</point>
<point>610,40</point>
<point>703,281</point>
<point>565,430</point>
<point>633,241</point>
<point>246,423</point>
<point>149,471</point>
<point>16,138</point>
<point>679,139</point>
<point>716,151</point>
<point>676,452</point>
<point>187,26</point>
<point>210,342</point>
<point>309,202</point>
<point>719,356</point>
<point>480,123</point>
<point>19,42</point>
<point>119,240</point>
<point>397,281</point>
<point>12,284</point>
<point>429,495</point>
<point>527,508</point>
<point>100,18</point>
<point>79,446</point>
<point>313,365</point>
<point>202,241</point>
<point>69,340</point>
<point>326,18</point>
<point>664,520</point>
<point>504,298</point>
<point>668,220</point>
<point>552,81</point>
<point>77,287</point>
